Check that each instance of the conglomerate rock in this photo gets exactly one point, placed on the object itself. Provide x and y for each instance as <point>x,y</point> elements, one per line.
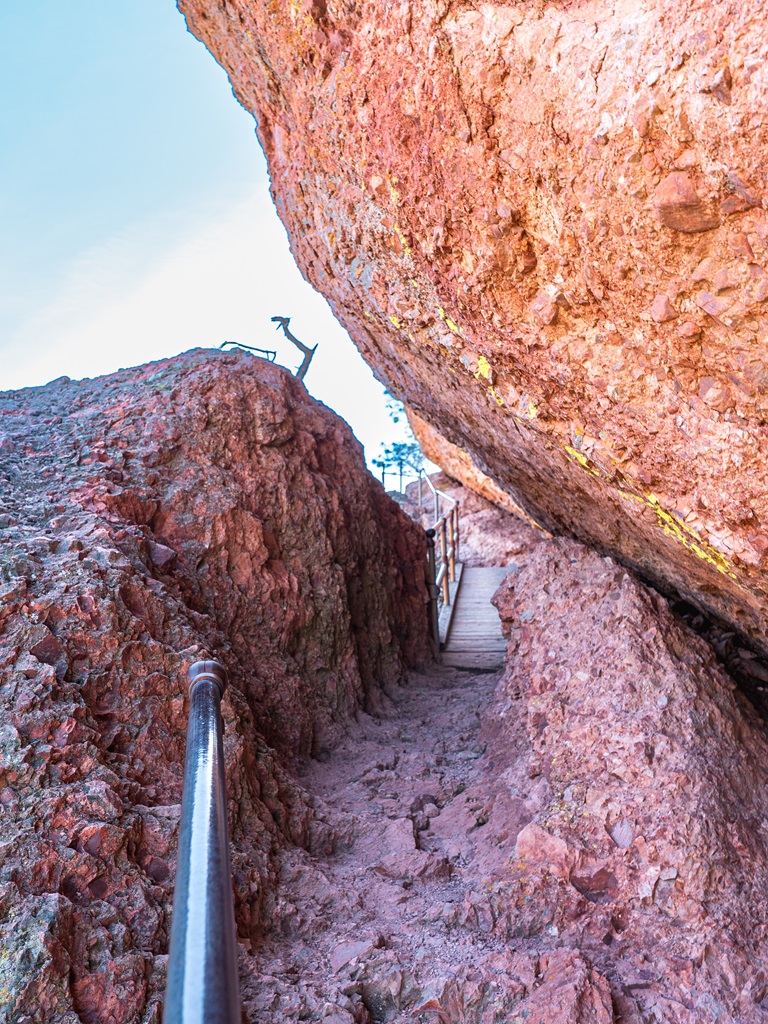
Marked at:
<point>459,466</point>
<point>203,506</point>
<point>647,846</point>
<point>544,226</point>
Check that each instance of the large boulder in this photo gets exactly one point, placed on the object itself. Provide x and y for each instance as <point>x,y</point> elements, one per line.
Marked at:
<point>640,777</point>
<point>544,226</point>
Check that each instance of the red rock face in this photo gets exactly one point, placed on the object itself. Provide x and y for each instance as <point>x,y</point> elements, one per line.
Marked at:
<point>544,226</point>
<point>646,774</point>
<point>203,506</point>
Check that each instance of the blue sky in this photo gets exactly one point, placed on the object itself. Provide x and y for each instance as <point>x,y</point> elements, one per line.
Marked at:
<point>135,217</point>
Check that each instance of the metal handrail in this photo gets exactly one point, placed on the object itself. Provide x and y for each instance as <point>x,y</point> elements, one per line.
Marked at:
<point>202,985</point>
<point>263,353</point>
<point>438,494</point>
<point>445,529</point>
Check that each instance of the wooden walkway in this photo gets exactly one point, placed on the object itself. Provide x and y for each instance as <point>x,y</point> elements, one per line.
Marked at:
<point>475,640</point>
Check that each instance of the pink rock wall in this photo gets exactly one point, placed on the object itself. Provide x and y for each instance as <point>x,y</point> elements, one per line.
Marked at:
<point>642,795</point>
<point>200,506</point>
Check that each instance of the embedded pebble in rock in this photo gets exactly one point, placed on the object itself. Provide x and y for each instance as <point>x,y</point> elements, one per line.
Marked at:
<point>492,196</point>
<point>203,506</point>
<point>678,205</point>
<point>662,310</point>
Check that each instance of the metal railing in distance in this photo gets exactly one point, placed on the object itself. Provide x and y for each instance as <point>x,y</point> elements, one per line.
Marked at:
<point>202,985</point>
<point>263,353</point>
<point>442,551</point>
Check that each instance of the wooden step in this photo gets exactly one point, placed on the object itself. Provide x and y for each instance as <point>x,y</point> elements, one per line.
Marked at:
<point>475,641</point>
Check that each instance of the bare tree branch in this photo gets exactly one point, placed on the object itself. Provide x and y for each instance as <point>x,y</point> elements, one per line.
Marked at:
<point>283,321</point>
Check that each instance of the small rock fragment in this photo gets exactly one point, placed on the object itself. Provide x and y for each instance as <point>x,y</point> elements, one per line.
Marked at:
<point>756,373</point>
<point>717,396</point>
<point>48,650</point>
<point>536,846</point>
<point>717,84</point>
<point>678,205</point>
<point>348,951</point>
<point>711,304</point>
<point>743,197</point>
<point>720,86</point>
<point>544,308</point>
<point>689,329</point>
<point>662,310</point>
<point>162,556</point>
<point>622,834</point>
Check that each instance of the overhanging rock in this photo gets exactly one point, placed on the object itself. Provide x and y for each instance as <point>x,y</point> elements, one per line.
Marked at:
<point>543,226</point>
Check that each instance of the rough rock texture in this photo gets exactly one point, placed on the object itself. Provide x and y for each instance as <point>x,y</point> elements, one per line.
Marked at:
<point>201,506</point>
<point>650,850</point>
<point>459,466</point>
<point>582,841</point>
<point>544,225</point>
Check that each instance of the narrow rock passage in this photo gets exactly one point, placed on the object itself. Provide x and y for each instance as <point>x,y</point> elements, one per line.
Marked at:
<point>399,912</point>
<point>395,923</point>
<point>573,841</point>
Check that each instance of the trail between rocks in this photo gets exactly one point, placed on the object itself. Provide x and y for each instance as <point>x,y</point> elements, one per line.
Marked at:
<point>397,918</point>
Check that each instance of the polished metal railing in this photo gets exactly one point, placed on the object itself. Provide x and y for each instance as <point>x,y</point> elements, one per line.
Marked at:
<point>202,985</point>
<point>442,552</point>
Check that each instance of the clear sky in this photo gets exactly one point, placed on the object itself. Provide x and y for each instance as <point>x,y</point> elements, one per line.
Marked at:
<point>135,216</point>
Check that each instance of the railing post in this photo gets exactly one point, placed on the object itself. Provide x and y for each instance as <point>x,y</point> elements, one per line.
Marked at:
<point>452,543</point>
<point>202,985</point>
<point>421,503</point>
<point>444,562</point>
<point>434,613</point>
<point>457,535</point>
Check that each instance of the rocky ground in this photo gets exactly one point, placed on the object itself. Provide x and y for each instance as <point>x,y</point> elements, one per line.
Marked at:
<point>581,839</point>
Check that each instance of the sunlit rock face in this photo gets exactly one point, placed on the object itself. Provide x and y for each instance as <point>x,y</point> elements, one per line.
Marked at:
<point>543,225</point>
<point>204,506</point>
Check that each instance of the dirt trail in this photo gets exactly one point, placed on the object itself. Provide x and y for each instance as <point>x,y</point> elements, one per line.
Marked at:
<point>535,848</point>
<point>398,916</point>
<point>393,916</point>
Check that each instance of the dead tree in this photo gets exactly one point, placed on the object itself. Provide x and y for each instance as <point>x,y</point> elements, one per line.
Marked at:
<point>283,321</point>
